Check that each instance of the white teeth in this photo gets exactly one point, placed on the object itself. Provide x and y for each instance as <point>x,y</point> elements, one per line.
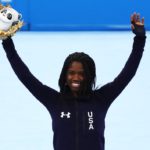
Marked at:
<point>75,84</point>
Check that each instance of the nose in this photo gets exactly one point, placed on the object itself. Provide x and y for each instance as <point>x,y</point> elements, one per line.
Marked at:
<point>76,77</point>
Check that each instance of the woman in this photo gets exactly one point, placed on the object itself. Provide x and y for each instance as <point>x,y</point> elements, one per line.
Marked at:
<point>78,111</point>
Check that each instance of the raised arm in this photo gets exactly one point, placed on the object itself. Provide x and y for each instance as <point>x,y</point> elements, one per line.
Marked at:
<point>40,91</point>
<point>111,90</point>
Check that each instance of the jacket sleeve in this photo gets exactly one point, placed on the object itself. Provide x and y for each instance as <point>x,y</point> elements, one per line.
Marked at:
<point>111,90</point>
<point>40,91</point>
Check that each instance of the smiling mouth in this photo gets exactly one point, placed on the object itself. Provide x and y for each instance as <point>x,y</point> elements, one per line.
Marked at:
<point>75,85</point>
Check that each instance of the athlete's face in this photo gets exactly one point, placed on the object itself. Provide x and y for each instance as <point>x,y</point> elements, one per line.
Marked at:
<point>75,77</point>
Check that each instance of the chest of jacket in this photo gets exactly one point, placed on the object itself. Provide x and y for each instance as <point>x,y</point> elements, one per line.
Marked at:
<point>82,117</point>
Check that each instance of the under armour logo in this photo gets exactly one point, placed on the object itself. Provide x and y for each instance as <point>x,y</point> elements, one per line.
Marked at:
<point>65,115</point>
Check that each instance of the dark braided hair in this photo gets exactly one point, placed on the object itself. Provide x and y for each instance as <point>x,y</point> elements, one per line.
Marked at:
<point>89,71</point>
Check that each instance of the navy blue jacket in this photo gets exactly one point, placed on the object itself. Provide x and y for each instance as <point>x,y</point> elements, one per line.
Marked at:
<point>78,123</point>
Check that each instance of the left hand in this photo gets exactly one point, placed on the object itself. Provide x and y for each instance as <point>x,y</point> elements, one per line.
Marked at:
<point>137,24</point>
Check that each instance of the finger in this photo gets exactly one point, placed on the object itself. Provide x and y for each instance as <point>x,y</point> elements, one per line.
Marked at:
<point>138,17</point>
<point>143,20</point>
<point>131,18</point>
<point>134,17</point>
<point>132,27</point>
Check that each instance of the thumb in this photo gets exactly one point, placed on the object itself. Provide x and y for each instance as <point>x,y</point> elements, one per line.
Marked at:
<point>132,27</point>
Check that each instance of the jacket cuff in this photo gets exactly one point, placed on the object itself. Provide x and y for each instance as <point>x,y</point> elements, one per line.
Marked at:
<point>8,44</point>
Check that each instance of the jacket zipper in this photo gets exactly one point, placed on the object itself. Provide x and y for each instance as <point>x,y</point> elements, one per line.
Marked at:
<point>77,127</point>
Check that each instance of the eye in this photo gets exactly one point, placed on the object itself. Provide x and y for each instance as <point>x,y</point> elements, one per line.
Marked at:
<point>4,11</point>
<point>19,16</point>
<point>81,73</point>
<point>70,72</point>
<point>9,16</point>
